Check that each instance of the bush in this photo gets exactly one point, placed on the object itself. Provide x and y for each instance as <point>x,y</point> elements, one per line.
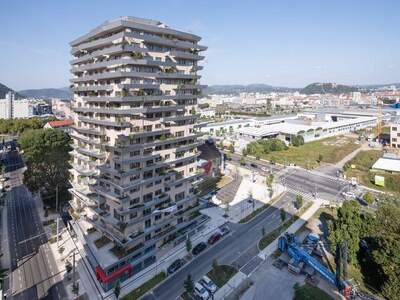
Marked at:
<point>261,147</point>
<point>369,198</point>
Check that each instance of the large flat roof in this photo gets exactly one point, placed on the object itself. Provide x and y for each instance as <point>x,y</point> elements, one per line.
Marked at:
<point>387,164</point>
<point>295,128</point>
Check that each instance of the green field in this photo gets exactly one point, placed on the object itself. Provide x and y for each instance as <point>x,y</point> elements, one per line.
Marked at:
<point>359,167</point>
<point>331,149</point>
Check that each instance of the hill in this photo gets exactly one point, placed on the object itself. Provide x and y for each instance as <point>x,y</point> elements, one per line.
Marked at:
<point>327,88</point>
<point>239,88</point>
<point>62,93</point>
<point>4,90</point>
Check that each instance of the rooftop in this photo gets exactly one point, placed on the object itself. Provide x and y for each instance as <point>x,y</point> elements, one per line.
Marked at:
<point>61,123</point>
<point>387,164</point>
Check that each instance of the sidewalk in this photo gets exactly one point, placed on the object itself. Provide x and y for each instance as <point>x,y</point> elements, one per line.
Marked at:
<point>294,227</point>
<point>87,278</point>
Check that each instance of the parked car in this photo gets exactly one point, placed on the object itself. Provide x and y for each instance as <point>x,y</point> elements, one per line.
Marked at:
<point>199,248</point>
<point>214,238</point>
<point>175,266</point>
<point>348,195</point>
<point>201,291</point>
<point>224,230</point>
<point>208,284</point>
<point>253,165</point>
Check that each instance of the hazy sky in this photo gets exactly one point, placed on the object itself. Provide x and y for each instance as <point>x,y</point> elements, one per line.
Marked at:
<point>286,43</point>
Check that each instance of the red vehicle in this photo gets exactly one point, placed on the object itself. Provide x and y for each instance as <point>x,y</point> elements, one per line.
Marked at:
<point>214,238</point>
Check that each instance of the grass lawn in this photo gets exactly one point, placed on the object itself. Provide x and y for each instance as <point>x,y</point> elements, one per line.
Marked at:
<point>308,292</point>
<point>221,274</point>
<point>145,287</point>
<point>207,185</point>
<point>359,167</point>
<point>332,149</point>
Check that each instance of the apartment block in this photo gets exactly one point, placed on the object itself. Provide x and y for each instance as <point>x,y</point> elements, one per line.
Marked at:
<point>395,135</point>
<point>135,84</point>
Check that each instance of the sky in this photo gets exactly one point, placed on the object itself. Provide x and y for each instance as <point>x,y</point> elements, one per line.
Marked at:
<point>283,43</point>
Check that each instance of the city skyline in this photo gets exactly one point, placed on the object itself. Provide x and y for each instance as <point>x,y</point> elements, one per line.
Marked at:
<point>291,44</point>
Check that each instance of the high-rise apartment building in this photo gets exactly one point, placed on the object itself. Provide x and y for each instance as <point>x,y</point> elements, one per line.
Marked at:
<point>135,90</point>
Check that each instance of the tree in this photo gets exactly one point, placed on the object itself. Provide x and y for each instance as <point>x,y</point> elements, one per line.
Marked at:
<point>283,214</point>
<point>244,152</point>
<point>221,144</point>
<point>320,157</point>
<point>117,289</point>
<point>369,198</point>
<point>215,264</point>
<point>188,284</point>
<point>231,148</point>
<point>269,180</point>
<point>299,201</point>
<point>46,152</point>
<point>188,244</point>
<point>242,161</point>
<point>351,226</point>
<point>387,252</point>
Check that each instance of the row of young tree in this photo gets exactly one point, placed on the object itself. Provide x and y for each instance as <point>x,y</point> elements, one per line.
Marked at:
<point>373,241</point>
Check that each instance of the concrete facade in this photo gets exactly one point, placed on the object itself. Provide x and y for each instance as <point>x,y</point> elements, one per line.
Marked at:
<point>133,172</point>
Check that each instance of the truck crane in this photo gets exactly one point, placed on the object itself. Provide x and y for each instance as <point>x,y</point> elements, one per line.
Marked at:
<point>289,243</point>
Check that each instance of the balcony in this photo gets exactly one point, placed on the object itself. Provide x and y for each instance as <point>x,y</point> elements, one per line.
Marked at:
<point>92,131</point>
<point>185,55</point>
<point>122,61</point>
<point>92,87</point>
<point>149,98</point>
<point>108,110</point>
<point>97,43</point>
<point>82,170</point>
<point>116,123</point>
<point>107,51</point>
<point>90,152</point>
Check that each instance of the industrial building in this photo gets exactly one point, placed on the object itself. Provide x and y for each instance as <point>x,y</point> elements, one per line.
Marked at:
<point>310,130</point>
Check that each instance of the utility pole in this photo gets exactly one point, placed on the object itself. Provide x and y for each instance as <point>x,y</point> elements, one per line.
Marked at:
<point>73,268</point>
<point>57,198</point>
<point>57,221</point>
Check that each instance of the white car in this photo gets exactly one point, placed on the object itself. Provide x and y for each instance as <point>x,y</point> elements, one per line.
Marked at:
<point>208,284</point>
<point>349,195</point>
<point>201,291</point>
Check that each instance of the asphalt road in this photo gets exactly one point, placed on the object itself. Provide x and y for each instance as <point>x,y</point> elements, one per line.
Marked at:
<point>33,268</point>
<point>242,242</point>
<point>237,248</point>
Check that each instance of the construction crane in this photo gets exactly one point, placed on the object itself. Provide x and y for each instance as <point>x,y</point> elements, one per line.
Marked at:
<point>379,104</point>
<point>289,243</point>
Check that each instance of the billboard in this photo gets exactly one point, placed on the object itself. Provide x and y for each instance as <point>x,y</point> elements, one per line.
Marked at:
<point>379,180</point>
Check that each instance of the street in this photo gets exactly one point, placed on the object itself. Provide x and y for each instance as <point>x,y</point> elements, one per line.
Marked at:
<point>240,246</point>
<point>237,248</point>
<point>32,265</point>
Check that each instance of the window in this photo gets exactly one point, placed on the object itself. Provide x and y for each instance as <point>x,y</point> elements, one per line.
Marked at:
<point>147,224</point>
<point>134,201</point>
